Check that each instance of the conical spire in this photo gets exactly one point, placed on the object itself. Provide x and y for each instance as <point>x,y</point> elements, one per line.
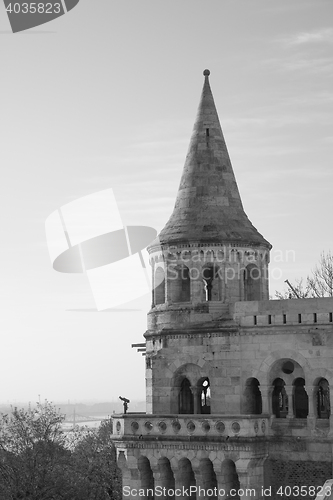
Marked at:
<point>208,206</point>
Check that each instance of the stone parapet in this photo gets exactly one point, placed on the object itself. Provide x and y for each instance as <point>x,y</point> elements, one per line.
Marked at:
<point>175,427</point>
<point>284,312</point>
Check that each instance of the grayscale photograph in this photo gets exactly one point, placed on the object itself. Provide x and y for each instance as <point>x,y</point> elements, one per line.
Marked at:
<point>167,250</point>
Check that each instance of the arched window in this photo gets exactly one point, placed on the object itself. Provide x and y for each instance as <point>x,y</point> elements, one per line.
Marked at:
<point>301,400</point>
<point>204,396</point>
<point>211,282</point>
<point>279,399</point>
<point>180,284</point>
<point>186,403</point>
<point>252,402</point>
<point>323,399</point>
<point>252,282</point>
<point>159,286</point>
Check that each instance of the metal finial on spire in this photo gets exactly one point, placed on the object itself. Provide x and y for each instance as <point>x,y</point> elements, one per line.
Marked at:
<point>206,72</point>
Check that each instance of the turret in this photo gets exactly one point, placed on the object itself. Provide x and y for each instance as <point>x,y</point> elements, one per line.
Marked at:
<point>208,255</point>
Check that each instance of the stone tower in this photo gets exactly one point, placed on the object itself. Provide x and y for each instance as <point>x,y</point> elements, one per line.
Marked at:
<point>207,257</point>
<point>238,386</point>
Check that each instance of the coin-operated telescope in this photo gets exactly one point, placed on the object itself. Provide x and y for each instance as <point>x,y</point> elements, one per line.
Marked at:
<point>125,403</point>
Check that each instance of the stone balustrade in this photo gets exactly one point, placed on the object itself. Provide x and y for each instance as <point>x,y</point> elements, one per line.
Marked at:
<point>173,427</point>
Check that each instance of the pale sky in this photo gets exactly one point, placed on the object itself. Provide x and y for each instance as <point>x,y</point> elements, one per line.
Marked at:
<point>105,97</point>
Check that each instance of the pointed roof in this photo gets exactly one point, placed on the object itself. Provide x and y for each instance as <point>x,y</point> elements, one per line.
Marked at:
<point>208,207</point>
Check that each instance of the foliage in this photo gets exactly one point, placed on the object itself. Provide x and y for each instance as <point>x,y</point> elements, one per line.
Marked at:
<point>39,461</point>
<point>321,281</point>
<point>319,284</point>
<point>95,464</point>
<point>299,291</point>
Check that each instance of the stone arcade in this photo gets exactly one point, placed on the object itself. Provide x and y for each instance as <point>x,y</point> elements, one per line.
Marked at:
<point>238,386</point>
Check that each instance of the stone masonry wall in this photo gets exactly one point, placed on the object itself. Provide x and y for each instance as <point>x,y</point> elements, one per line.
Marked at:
<point>282,474</point>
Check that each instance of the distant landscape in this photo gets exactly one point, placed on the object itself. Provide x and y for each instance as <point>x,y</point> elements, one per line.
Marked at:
<point>83,412</point>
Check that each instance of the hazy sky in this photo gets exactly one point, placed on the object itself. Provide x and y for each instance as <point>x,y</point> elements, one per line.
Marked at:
<point>105,97</point>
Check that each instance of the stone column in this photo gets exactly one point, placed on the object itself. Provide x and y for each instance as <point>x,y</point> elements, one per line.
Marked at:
<point>289,392</point>
<point>266,398</point>
<point>179,482</point>
<point>244,492</point>
<point>311,391</point>
<point>131,482</point>
<point>167,282</point>
<point>222,276</point>
<point>152,285</point>
<point>243,477</point>
<point>196,284</point>
<point>311,418</point>
<point>220,484</point>
<point>199,484</point>
<point>158,482</point>
<point>195,391</point>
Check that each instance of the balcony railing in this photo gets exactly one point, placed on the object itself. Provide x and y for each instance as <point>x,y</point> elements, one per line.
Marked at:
<point>146,426</point>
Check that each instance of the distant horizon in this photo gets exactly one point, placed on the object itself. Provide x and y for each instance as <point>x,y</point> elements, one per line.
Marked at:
<point>86,402</point>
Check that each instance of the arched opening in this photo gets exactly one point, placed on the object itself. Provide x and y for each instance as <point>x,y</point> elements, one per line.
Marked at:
<point>166,477</point>
<point>252,282</point>
<point>323,399</point>
<point>159,286</point>
<point>186,403</point>
<point>230,480</point>
<point>181,397</point>
<point>301,400</point>
<point>212,282</point>
<point>187,476</point>
<point>252,401</point>
<point>209,481</point>
<point>204,396</point>
<point>279,399</point>
<point>180,284</point>
<point>146,477</point>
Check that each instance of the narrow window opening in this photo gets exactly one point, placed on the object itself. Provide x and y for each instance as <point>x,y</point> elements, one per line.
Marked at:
<point>204,397</point>
<point>207,132</point>
<point>284,319</point>
<point>300,399</point>
<point>315,317</point>
<point>280,402</point>
<point>331,317</point>
<point>255,320</point>
<point>269,319</point>
<point>300,318</point>
<point>208,277</point>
